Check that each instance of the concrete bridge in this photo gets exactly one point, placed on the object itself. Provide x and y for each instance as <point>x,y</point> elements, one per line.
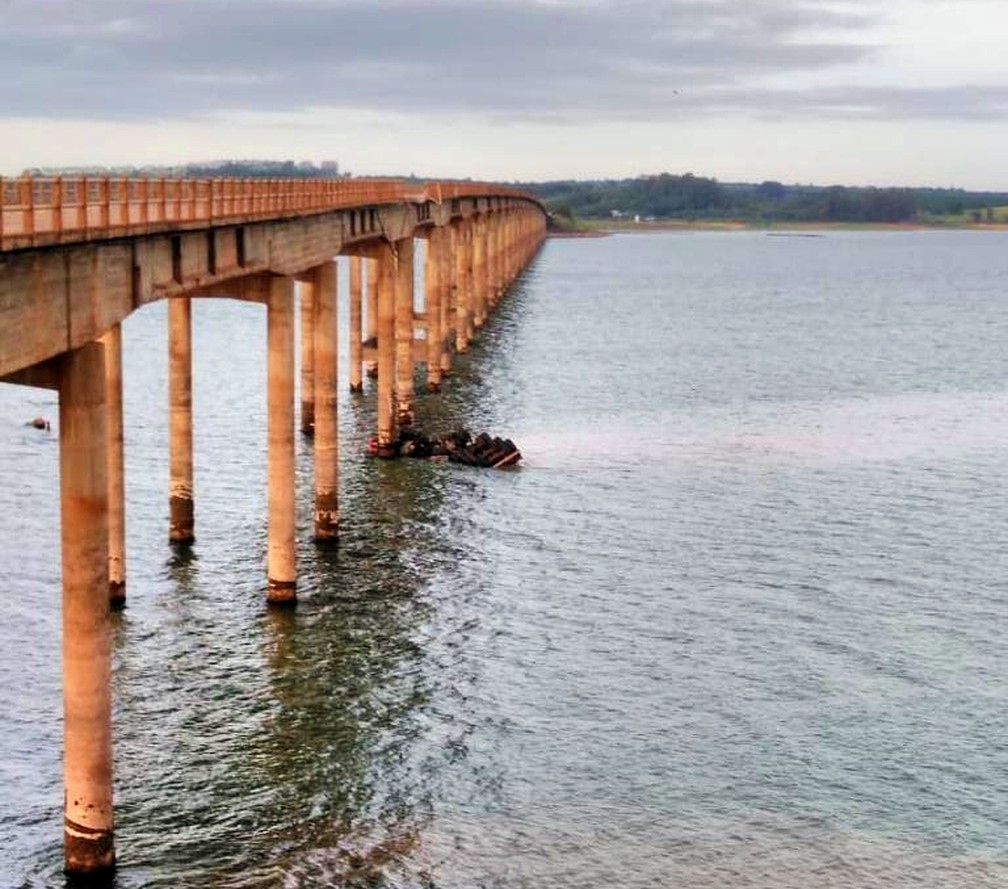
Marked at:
<point>78,255</point>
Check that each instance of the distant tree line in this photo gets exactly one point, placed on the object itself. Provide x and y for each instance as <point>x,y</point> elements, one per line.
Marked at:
<point>668,196</point>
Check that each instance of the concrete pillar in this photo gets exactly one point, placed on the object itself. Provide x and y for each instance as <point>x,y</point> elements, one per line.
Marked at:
<point>463,288</point>
<point>404,323</point>
<point>180,433</point>
<point>447,259</point>
<point>433,296</point>
<point>488,259</point>
<point>87,696</point>
<point>112,341</point>
<point>280,563</point>
<point>307,313</point>
<point>479,272</point>
<point>371,330</point>
<point>356,381</point>
<point>326,399</point>
<point>385,330</point>
<point>499,272</point>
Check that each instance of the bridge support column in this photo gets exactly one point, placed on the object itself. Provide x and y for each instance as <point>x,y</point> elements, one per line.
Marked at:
<point>490,228</point>
<point>404,323</point>
<point>87,696</point>
<point>433,297</point>
<point>463,287</point>
<point>356,358</point>
<point>385,328</point>
<point>371,330</point>
<point>307,313</point>
<point>326,400</point>
<point>112,341</point>
<point>500,273</point>
<point>447,296</point>
<point>479,272</point>
<point>180,436</point>
<point>280,563</point>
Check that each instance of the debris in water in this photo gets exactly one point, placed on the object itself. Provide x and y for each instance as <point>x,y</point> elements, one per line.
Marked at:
<point>458,447</point>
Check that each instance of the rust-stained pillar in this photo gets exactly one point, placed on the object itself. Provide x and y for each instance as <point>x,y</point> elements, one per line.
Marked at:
<point>447,295</point>
<point>371,330</point>
<point>500,273</point>
<point>463,284</point>
<point>307,313</point>
<point>280,562</point>
<point>112,341</point>
<point>87,694</point>
<point>326,399</point>
<point>180,434</point>
<point>493,282</point>
<point>404,324</point>
<point>356,358</point>
<point>385,327</point>
<point>507,248</point>
<point>479,271</point>
<point>433,297</point>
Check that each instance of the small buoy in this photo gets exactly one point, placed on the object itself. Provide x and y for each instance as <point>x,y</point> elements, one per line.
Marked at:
<point>40,423</point>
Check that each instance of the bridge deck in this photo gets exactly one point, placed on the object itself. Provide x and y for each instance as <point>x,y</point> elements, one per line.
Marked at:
<point>37,212</point>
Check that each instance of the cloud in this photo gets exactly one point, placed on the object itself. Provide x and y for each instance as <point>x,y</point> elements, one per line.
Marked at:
<point>564,60</point>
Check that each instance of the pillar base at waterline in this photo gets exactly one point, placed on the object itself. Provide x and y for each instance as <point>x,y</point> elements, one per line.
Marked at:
<point>326,522</point>
<point>433,386</point>
<point>117,594</point>
<point>308,418</point>
<point>89,854</point>
<point>181,521</point>
<point>357,388</point>
<point>281,593</point>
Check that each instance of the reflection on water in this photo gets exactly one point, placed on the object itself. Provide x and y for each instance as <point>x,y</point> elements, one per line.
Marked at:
<point>738,621</point>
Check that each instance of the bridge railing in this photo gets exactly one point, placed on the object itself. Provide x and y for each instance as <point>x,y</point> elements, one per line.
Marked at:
<point>36,211</point>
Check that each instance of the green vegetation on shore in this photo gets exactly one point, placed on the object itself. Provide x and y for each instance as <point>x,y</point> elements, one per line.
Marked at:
<point>667,200</point>
<point>697,199</point>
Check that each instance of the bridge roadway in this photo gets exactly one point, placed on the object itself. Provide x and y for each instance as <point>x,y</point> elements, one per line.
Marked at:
<point>78,255</point>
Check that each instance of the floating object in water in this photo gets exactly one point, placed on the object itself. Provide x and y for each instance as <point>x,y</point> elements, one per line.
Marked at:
<point>39,423</point>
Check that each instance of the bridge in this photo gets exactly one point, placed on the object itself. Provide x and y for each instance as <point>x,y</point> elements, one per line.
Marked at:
<point>78,255</point>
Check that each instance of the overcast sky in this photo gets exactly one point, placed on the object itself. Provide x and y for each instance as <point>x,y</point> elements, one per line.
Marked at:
<point>878,92</point>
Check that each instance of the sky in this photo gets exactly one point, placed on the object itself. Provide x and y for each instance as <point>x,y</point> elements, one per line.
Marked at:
<point>858,92</point>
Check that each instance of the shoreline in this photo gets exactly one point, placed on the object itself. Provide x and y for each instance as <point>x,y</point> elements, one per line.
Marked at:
<point>598,228</point>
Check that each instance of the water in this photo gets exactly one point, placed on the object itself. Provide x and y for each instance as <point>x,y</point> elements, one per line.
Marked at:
<point>739,620</point>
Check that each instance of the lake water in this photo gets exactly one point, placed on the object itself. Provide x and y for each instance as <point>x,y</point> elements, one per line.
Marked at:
<point>740,619</point>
